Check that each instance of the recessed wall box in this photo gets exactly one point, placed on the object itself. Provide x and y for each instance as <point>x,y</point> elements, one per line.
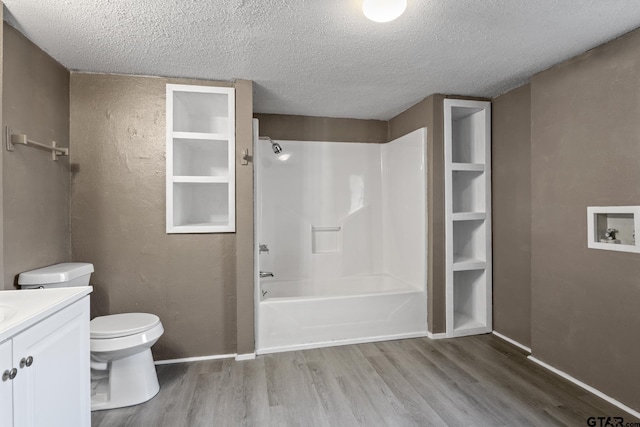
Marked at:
<point>613,228</point>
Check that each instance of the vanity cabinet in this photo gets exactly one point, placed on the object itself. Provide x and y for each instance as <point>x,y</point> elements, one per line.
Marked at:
<point>6,386</point>
<point>200,159</point>
<point>52,384</point>
<point>467,143</point>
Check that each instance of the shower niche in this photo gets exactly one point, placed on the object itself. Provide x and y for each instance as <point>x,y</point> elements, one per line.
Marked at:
<point>613,228</point>
<point>467,141</point>
<point>200,159</point>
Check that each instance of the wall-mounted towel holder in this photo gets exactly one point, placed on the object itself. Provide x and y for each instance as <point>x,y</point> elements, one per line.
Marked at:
<point>246,158</point>
<point>13,139</point>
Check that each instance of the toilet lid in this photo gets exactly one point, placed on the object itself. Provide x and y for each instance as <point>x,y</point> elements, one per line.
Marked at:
<point>122,325</point>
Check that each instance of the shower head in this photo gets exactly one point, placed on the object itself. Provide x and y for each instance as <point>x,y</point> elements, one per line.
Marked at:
<point>274,145</point>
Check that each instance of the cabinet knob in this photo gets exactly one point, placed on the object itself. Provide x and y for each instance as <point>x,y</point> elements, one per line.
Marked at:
<point>9,374</point>
<point>28,361</point>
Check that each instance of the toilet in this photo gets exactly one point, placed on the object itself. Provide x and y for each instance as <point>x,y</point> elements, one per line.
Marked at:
<point>122,369</point>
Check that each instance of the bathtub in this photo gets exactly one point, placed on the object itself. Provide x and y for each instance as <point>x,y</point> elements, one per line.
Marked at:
<point>296,315</point>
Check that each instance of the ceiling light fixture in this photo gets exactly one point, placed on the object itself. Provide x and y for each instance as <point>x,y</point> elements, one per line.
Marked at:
<point>383,10</point>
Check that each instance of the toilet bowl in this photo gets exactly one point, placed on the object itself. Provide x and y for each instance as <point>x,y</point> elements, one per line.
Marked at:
<point>122,369</point>
<point>121,348</point>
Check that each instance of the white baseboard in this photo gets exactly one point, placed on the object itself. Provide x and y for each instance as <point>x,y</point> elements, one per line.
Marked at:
<point>438,336</point>
<point>339,343</point>
<point>590,389</point>
<point>246,356</point>
<point>195,359</point>
<point>510,341</point>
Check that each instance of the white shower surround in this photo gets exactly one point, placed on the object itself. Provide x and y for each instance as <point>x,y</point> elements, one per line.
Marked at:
<point>345,224</point>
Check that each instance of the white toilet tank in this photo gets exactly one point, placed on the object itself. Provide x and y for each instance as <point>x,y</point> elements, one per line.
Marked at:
<point>57,276</point>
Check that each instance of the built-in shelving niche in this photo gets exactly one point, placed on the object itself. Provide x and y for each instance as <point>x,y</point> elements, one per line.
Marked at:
<point>468,216</point>
<point>470,300</point>
<point>613,228</point>
<point>200,159</point>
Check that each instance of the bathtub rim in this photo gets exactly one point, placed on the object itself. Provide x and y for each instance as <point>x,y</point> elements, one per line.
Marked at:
<point>407,288</point>
<point>279,300</point>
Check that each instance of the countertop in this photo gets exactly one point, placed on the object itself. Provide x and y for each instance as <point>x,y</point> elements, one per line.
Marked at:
<point>21,309</point>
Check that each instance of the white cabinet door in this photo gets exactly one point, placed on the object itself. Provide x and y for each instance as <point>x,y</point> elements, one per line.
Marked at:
<point>55,388</point>
<point>6,386</point>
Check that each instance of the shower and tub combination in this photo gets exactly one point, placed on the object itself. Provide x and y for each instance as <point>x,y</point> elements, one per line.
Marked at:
<point>341,242</point>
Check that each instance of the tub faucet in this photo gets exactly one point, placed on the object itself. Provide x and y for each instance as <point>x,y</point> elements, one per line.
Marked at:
<point>264,274</point>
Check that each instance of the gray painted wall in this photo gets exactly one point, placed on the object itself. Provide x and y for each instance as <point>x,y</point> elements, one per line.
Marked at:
<point>245,322</point>
<point>585,143</point>
<point>584,151</point>
<point>35,189</point>
<point>511,214</point>
<point>305,128</point>
<point>191,281</point>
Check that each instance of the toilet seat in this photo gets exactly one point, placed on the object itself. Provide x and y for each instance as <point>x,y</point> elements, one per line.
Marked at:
<point>122,325</point>
<point>101,347</point>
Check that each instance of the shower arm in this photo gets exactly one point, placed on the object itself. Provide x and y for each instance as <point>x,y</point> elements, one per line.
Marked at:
<point>274,145</point>
<point>266,138</point>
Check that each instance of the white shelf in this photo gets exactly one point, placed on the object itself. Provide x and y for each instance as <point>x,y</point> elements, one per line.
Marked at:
<point>199,203</point>
<point>467,167</point>
<point>471,309</point>
<point>469,239</point>
<point>202,179</point>
<point>201,109</point>
<point>468,193</point>
<point>468,216</point>
<point>468,125</point>
<point>200,135</point>
<point>464,263</point>
<point>200,159</point>
<point>201,227</point>
<point>462,322</point>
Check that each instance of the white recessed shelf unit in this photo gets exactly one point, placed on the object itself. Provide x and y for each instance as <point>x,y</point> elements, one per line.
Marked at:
<point>469,295</point>
<point>613,228</point>
<point>467,192</point>
<point>200,159</point>
<point>469,248</point>
<point>468,216</point>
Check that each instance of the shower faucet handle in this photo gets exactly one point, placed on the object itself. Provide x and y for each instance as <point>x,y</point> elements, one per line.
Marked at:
<point>263,248</point>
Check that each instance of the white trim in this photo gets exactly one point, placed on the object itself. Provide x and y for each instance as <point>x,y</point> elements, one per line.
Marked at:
<point>339,343</point>
<point>246,356</point>
<point>590,389</point>
<point>448,212</point>
<point>511,341</point>
<point>195,359</point>
<point>437,336</point>
<point>257,230</point>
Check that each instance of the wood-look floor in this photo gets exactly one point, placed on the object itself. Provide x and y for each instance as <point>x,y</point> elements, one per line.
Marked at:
<point>472,381</point>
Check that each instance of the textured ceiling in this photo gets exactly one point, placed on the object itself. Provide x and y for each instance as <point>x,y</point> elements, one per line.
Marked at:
<point>322,57</point>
